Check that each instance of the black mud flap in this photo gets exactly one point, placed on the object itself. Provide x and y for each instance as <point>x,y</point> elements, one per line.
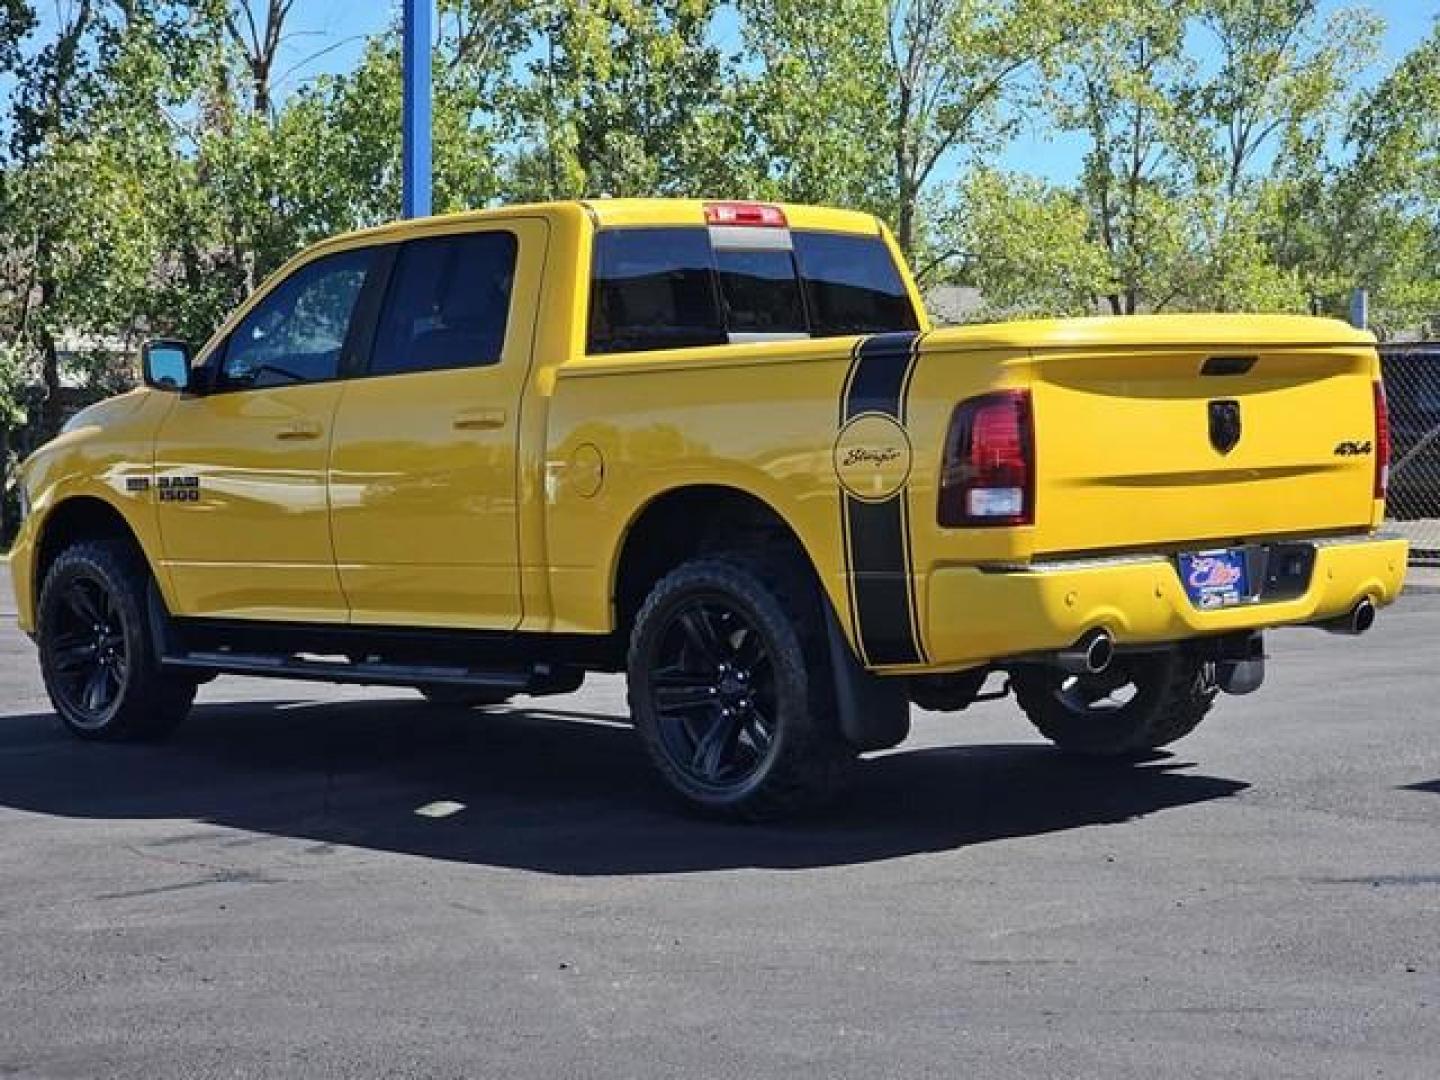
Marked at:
<point>873,712</point>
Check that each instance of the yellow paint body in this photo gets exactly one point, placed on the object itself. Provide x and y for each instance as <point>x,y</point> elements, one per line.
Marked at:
<point>502,497</point>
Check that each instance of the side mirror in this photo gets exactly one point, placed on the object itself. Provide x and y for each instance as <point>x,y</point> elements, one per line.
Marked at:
<point>166,365</point>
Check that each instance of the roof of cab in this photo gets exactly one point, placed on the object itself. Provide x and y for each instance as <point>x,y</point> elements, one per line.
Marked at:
<point>615,213</point>
<point>611,213</point>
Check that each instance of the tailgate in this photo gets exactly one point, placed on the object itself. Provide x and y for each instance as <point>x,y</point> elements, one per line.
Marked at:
<point>1139,446</point>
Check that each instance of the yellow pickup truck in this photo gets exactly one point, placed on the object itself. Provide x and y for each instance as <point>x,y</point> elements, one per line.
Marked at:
<point>715,445</point>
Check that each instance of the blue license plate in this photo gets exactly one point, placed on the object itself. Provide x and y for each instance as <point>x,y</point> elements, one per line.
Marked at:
<point>1216,579</point>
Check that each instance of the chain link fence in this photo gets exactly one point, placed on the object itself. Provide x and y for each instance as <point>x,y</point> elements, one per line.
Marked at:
<point>1412,387</point>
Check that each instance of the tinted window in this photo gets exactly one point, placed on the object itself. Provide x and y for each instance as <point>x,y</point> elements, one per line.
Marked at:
<point>653,289</point>
<point>851,285</point>
<point>759,291</point>
<point>296,334</point>
<point>447,304</point>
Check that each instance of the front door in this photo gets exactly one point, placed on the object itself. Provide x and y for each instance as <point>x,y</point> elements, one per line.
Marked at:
<point>423,467</point>
<point>240,469</point>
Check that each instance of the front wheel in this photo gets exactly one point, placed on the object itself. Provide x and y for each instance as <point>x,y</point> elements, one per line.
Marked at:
<point>96,653</point>
<point>730,688</point>
<point>1141,702</point>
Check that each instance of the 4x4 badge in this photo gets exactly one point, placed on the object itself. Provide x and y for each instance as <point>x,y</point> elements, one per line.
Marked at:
<point>1224,425</point>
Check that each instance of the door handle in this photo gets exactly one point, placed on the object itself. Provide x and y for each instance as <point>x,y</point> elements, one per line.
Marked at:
<point>299,429</point>
<point>486,419</point>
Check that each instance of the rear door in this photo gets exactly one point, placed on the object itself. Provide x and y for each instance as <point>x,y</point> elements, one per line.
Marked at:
<point>240,469</point>
<point>423,466</point>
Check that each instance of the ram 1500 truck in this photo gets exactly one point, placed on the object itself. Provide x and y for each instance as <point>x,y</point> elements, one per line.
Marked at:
<point>716,446</point>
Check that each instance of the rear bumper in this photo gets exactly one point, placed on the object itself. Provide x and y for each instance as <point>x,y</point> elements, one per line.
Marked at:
<point>976,616</point>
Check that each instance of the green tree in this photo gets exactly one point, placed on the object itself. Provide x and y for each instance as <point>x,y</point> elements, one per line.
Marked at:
<point>1028,245</point>
<point>1128,88</point>
<point>1371,214</point>
<point>89,121</point>
<point>621,97</point>
<point>869,102</point>
<point>263,175</point>
<point>1192,170</point>
<point>813,107</point>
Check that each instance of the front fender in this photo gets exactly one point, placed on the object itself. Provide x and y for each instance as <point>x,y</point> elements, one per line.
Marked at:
<point>104,455</point>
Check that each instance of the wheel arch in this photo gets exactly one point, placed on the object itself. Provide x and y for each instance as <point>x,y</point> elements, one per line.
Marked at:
<point>682,522</point>
<point>81,517</point>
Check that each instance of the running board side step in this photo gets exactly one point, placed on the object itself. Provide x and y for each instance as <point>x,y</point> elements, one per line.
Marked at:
<point>537,679</point>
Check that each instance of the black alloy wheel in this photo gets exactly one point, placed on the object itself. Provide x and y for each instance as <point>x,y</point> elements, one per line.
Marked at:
<point>88,654</point>
<point>713,693</point>
<point>96,651</point>
<point>731,688</point>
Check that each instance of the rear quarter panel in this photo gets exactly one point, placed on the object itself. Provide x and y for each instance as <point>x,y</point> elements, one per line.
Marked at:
<point>624,431</point>
<point>765,420</point>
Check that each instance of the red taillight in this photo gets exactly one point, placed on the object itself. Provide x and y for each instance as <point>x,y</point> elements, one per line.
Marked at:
<point>1382,441</point>
<point>745,213</point>
<point>988,474</point>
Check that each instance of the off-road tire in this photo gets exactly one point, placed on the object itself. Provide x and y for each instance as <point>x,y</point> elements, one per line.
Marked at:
<point>145,701</point>
<point>1174,692</point>
<point>805,761</point>
<point>463,697</point>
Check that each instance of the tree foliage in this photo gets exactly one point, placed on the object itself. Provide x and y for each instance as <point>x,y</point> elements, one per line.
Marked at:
<point>156,162</point>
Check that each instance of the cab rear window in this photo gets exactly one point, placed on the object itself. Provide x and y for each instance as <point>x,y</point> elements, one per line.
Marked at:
<point>665,288</point>
<point>653,289</point>
<point>759,292</point>
<point>851,285</point>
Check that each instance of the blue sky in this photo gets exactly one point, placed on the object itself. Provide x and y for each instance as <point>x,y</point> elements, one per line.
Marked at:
<point>1407,22</point>
<point>329,35</point>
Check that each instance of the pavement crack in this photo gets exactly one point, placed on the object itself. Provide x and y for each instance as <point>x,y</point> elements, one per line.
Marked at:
<point>223,877</point>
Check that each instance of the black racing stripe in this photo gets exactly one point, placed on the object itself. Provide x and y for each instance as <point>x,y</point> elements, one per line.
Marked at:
<point>849,381</point>
<point>880,581</point>
<point>876,535</point>
<point>911,366</point>
<point>878,375</point>
<point>850,596</point>
<point>917,637</point>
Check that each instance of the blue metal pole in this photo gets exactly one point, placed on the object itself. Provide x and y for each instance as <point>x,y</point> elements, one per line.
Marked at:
<point>1360,308</point>
<point>416,108</point>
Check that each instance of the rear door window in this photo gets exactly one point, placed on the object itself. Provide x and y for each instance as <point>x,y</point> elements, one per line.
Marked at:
<point>852,285</point>
<point>447,305</point>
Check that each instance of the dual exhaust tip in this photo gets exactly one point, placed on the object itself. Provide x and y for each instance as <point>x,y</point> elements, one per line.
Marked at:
<point>1094,650</point>
<point>1091,654</point>
<point>1355,622</point>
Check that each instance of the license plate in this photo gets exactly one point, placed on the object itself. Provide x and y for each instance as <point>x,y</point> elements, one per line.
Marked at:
<point>1216,579</point>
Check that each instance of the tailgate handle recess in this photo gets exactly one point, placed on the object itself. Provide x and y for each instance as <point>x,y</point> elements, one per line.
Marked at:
<point>1227,365</point>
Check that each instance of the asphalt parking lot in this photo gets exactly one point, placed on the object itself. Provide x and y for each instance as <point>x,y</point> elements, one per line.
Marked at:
<point>312,882</point>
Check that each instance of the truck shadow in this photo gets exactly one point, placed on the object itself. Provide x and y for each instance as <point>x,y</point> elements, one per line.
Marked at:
<point>548,790</point>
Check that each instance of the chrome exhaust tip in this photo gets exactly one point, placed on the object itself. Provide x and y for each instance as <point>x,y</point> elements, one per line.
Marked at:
<point>1091,654</point>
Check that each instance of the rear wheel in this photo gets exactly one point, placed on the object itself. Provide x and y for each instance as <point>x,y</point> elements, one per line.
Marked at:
<point>730,688</point>
<point>1140,702</point>
<point>96,653</point>
<point>463,697</point>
